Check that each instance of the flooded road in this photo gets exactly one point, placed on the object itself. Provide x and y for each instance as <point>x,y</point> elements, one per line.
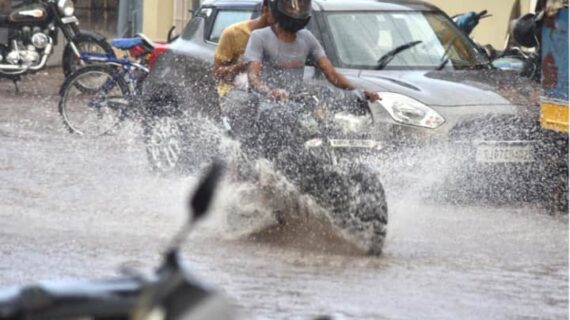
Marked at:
<point>75,208</point>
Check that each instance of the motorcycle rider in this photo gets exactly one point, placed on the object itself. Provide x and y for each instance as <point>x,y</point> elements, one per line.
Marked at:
<point>230,68</point>
<point>281,50</point>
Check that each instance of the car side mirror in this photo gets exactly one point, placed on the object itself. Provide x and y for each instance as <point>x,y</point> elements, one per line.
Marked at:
<point>171,37</point>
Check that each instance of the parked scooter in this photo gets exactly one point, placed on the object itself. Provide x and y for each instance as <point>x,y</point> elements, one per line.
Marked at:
<point>469,20</point>
<point>527,64</point>
<point>29,33</point>
<point>167,293</point>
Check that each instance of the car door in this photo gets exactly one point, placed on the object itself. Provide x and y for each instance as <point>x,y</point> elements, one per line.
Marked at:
<point>189,69</point>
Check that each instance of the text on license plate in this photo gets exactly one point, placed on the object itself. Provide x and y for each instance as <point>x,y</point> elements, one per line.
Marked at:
<point>490,153</point>
<point>344,143</point>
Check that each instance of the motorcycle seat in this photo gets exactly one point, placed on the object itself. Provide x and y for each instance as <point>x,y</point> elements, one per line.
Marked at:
<point>126,43</point>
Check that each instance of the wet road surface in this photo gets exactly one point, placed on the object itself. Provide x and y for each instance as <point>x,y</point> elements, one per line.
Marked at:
<point>74,208</point>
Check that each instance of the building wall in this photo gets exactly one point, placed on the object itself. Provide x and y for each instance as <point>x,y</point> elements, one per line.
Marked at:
<point>158,18</point>
<point>161,15</point>
<point>492,30</point>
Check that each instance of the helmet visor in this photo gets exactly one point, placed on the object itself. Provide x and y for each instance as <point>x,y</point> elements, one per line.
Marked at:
<point>296,9</point>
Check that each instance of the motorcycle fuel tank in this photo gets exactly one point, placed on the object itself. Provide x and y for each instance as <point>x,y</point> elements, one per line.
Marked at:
<point>32,13</point>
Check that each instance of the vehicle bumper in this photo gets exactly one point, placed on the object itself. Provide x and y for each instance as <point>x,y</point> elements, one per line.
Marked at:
<point>484,151</point>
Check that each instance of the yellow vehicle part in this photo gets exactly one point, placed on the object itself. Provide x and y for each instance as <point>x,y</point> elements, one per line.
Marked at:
<point>554,116</point>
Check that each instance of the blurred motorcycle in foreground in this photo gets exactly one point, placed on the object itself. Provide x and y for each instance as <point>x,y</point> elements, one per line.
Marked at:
<point>167,293</point>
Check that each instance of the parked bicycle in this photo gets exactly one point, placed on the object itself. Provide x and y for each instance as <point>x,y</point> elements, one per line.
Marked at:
<point>99,96</point>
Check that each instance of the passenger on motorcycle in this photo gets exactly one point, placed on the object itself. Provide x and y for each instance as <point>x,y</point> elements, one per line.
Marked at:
<point>229,66</point>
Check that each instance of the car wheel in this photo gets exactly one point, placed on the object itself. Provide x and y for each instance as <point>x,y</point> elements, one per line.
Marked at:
<point>163,140</point>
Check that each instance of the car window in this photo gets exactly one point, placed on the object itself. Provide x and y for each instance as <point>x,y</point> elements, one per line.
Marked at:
<point>225,18</point>
<point>362,38</point>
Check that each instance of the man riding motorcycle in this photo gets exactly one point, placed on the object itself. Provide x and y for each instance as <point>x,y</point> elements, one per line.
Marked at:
<point>229,67</point>
<point>282,49</point>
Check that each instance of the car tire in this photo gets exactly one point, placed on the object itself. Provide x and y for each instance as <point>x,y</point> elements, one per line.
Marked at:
<point>177,145</point>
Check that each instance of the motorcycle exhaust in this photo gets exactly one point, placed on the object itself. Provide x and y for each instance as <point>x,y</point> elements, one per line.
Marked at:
<point>16,69</point>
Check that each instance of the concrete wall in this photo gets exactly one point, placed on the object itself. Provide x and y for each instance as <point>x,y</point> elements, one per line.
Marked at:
<point>492,30</point>
<point>158,18</point>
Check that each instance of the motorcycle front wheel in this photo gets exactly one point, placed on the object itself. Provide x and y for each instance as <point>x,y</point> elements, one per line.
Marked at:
<point>351,192</point>
<point>98,107</point>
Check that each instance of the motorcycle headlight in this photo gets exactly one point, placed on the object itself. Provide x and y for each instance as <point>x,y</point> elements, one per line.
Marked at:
<point>313,143</point>
<point>406,110</point>
<point>351,122</point>
<point>66,7</point>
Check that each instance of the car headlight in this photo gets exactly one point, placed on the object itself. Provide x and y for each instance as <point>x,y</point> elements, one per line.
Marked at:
<point>351,122</point>
<point>406,110</point>
<point>66,7</point>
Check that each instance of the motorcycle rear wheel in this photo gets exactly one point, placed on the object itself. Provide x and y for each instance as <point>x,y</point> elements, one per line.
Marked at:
<point>95,109</point>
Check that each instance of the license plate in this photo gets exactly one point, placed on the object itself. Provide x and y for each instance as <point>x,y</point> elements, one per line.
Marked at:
<point>505,153</point>
<point>344,143</point>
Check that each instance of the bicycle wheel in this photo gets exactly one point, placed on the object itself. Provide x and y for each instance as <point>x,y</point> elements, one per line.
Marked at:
<point>98,108</point>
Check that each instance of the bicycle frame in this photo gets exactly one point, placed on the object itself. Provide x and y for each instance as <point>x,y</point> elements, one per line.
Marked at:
<point>126,66</point>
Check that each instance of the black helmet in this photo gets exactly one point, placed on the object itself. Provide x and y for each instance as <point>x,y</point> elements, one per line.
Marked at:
<point>291,15</point>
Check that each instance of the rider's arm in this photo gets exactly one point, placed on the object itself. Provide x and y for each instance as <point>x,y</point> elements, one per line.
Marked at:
<point>225,65</point>
<point>228,71</point>
<point>254,57</point>
<point>340,81</point>
<point>337,79</point>
<point>255,81</point>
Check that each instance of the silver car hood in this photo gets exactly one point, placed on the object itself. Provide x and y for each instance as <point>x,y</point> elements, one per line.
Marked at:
<point>453,88</point>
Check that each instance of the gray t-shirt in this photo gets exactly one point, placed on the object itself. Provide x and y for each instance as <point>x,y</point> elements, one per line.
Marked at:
<point>283,63</point>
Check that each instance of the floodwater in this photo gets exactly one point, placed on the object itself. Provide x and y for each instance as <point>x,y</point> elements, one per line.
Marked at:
<point>73,207</point>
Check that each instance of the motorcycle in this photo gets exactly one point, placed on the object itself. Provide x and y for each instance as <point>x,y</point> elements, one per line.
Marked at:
<point>29,33</point>
<point>318,141</point>
<point>167,293</point>
<point>513,58</point>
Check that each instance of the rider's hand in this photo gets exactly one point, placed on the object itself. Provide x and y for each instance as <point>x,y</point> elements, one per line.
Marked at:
<point>278,94</point>
<point>372,96</point>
